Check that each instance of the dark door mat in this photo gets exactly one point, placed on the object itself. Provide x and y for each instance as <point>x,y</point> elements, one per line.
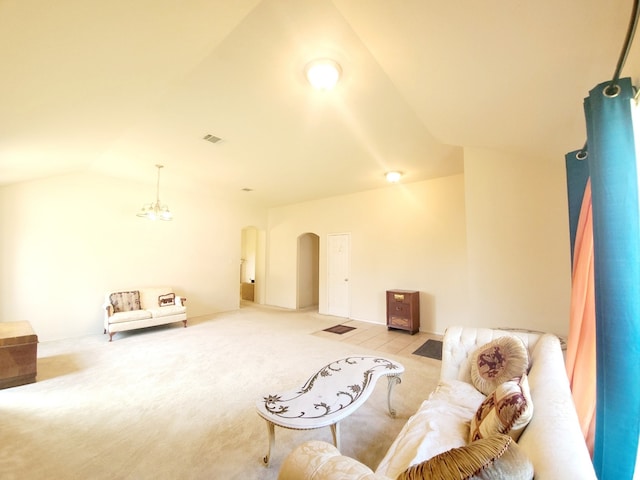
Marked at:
<point>430,349</point>
<point>339,329</point>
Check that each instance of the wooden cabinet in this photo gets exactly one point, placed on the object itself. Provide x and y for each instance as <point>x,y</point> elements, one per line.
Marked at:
<point>403,310</point>
<point>247,291</point>
<point>18,354</point>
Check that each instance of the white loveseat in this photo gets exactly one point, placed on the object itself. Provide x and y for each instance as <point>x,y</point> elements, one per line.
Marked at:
<point>552,441</point>
<point>142,307</point>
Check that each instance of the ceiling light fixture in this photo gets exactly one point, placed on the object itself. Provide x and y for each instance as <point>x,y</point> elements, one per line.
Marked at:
<point>323,74</point>
<point>393,177</point>
<point>156,210</point>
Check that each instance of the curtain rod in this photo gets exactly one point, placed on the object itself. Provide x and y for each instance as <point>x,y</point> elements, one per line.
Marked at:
<point>612,89</point>
<point>633,21</point>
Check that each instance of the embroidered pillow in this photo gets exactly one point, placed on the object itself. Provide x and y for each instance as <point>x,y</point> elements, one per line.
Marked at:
<point>496,362</point>
<point>495,458</point>
<point>125,301</point>
<point>167,299</point>
<point>508,410</point>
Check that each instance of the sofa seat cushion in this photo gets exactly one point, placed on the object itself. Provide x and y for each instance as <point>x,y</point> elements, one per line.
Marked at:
<point>129,316</point>
<point>440,424</point>
<point>166,311</point>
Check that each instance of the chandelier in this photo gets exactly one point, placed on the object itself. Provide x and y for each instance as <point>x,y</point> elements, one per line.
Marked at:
<point>156,210</point>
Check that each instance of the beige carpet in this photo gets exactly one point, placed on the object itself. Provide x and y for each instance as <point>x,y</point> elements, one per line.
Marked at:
<point>176,403</point>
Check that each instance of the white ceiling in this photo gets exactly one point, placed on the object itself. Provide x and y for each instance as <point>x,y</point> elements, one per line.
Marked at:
<point>116,87</point>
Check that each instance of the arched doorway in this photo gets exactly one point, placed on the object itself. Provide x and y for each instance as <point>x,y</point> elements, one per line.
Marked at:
<point>308,281</point>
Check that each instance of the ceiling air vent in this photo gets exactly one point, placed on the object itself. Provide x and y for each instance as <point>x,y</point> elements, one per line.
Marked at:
<point>212,138</point>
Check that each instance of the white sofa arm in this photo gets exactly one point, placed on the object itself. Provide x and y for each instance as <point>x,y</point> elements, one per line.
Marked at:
<point>316,460</point>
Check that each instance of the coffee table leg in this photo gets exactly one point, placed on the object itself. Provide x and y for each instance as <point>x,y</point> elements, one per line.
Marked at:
<point>272,438</point>
<point>392,380</point>
<point>335,431</point>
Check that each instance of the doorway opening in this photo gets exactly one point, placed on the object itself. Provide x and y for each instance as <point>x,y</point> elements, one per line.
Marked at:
<point>252,265</point>
<point>308,275</point>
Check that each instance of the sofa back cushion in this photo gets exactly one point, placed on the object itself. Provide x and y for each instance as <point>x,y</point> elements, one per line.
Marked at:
<point>460,343</point>
<point>150,296</point>
<point>125,301</point>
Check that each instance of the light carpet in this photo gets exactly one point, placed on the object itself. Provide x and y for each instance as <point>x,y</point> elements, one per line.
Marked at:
<point>175,403</point>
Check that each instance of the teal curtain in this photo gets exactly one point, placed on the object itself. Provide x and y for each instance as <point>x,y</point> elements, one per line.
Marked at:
<point>612,166</point>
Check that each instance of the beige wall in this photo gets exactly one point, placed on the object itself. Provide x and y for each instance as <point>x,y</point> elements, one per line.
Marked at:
<point>67,240</point>
<point>518,241</point>
<point>487,248</point>
<point>404,236</point>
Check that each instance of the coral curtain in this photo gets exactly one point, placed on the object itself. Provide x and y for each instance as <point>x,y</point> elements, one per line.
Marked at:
<point>613,176</point>
<point>581,345</point>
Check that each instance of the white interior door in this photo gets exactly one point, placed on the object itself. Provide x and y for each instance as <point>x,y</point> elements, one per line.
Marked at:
<point>338,246</point>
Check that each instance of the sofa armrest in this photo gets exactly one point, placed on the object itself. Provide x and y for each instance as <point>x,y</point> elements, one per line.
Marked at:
<point>108,309</point>
<point>180,300</point>
<point>316,460</point>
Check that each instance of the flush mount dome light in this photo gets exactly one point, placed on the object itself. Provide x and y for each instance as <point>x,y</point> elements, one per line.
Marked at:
<point>393,177</point>
<point>323,74</point>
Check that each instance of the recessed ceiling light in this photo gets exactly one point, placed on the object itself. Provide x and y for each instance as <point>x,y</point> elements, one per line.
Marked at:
<point>393,176</point>
<point>323,74</point>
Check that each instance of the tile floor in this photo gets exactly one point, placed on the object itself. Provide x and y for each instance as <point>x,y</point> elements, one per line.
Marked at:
<point>378,337</point>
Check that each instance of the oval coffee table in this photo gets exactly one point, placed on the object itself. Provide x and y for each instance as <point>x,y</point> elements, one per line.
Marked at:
<point>331,394</point>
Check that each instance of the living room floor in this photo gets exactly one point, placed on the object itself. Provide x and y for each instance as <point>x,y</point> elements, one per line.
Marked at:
<point>378,337</point>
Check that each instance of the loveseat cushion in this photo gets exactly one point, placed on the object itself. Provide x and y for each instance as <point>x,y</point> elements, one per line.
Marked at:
<point>125,301</point>
<point>496,362</point>
<point>129,316</point>
<point>166,311</point>
<point>441,423</point>
<point>507,410</point>
<point>494,458</point>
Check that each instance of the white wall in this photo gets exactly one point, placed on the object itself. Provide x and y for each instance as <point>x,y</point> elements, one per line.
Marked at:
<point>404,236</point>
<point>66,241</point>
<point>518,241</point>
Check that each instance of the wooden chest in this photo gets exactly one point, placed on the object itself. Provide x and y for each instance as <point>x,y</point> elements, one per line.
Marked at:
<point>18,354</point>
<point>403,310</point>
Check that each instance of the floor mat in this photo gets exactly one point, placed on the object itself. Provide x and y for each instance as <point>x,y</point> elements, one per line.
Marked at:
<point>339,329</point>
<point>431,349</point>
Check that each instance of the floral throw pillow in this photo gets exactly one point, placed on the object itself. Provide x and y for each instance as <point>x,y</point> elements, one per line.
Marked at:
<point>496,362</point>
<point>508,410</point>
<point>125,301</point>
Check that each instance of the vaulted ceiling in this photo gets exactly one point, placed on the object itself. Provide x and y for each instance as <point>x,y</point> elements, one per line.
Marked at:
<point>116,87</point>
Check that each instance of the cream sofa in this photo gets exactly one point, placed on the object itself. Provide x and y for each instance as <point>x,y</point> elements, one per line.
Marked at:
<point>142,307</point>
<point>552,441</point>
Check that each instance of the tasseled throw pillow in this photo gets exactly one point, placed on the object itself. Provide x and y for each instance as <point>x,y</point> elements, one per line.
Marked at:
<point>494,458</point>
